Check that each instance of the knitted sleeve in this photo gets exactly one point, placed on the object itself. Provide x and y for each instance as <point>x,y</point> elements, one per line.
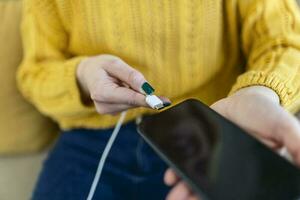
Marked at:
<point>47,75</point>
<point>270,36</point>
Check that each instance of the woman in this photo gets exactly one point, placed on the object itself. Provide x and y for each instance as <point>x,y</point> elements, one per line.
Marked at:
<point>86,61</point>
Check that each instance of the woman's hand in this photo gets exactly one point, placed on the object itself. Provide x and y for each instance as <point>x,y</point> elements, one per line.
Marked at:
<point>111,84</point>
<point>180,191</point>
<point>257,110</point>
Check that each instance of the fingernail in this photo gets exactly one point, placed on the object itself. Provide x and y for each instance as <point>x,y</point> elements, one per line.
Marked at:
<point>166,104</point>
<point>147,88</point>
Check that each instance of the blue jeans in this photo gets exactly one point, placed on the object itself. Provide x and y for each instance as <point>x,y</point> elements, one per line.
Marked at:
<point>132,170</point>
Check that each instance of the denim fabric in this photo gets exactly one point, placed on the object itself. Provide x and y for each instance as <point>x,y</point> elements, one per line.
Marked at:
<point>132,170</point>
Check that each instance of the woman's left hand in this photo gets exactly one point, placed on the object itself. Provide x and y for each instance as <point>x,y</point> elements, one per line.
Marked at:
<point>257,110</point>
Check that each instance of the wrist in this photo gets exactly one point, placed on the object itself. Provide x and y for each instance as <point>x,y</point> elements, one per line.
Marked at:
<point>260,91</point>
<point>82,85</point>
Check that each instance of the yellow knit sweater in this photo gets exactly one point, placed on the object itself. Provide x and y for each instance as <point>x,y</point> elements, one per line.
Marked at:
<point>185,48</point>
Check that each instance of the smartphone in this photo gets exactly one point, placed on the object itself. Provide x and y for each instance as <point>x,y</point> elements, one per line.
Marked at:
<point>216,158</point>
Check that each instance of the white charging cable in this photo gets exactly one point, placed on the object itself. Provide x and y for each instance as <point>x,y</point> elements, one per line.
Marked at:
<point>155,103</point>
<point>105,154</point>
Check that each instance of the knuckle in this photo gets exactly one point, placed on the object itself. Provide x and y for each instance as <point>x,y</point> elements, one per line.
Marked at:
<point>113,61</point>
<point>107,60</point>
<point>100,109</point>
<point>101,96</point>
<point>135,76</point>
<point>94,96</point>
<point>132,99</point>
<point>131,76</point>
<point>95,92</point>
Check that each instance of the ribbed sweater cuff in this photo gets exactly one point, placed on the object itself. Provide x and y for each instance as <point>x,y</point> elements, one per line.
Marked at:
<point>284,90</point>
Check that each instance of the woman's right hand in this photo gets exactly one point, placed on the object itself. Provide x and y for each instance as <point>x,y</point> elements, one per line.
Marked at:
<point>111,84</point>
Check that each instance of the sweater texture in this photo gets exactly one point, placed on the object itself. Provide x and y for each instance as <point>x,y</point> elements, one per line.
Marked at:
<point>185,49</point>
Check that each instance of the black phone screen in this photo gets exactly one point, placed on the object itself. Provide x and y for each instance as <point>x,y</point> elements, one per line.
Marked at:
<point>216,158</point>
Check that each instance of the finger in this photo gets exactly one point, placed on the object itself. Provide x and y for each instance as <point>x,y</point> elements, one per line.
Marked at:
<point>170,177</point>
<point>268,142</point>
<point>179,192</point>
<point>271,143</point>
<point>283,130</point>
<point>288,131</point>
<point>122,71</point>
<point>114,94</point>
<point>127,96</point>
<point>106,108</point>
